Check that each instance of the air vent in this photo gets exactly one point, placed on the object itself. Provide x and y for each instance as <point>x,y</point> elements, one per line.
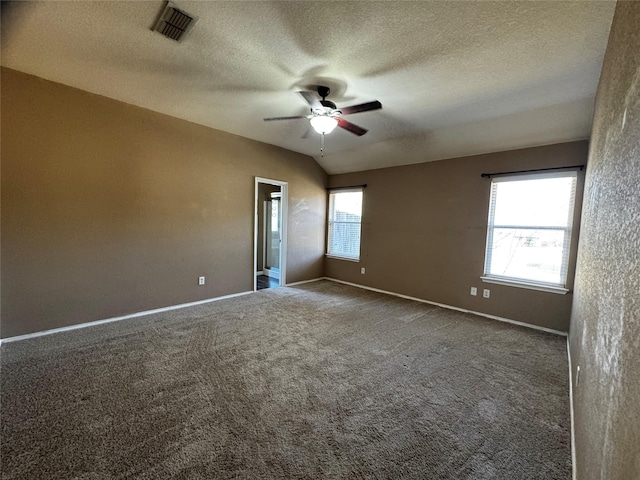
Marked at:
<point>175,23</point>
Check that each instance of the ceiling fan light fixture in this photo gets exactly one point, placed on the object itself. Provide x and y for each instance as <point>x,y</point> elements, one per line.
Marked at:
<point>323,124</point>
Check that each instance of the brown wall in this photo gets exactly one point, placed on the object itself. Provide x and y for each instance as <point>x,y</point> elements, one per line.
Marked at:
<point>109,209</point>
<point>424,233</point>
<point>605,321</point>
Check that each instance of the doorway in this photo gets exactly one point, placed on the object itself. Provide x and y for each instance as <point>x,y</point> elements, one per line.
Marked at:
<point>269,256</point>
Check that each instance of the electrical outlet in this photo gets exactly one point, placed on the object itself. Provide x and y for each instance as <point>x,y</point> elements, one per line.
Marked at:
<point>486,293</point>
<point>577,375</point>
<point>474,291</point>
<point>200,280</point>
<point>362,270</point>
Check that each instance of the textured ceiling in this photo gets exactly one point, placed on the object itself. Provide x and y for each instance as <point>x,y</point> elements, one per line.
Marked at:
<point>454,78</point>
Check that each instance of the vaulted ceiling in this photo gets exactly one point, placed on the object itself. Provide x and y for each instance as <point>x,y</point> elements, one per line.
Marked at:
<point>455,78</point>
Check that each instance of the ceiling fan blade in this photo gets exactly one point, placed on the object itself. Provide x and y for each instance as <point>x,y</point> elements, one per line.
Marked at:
<point>342,123</point>
<point>282,118</point>
<point>312,100</point>
<point>308,132</point>
<point>363,107</point>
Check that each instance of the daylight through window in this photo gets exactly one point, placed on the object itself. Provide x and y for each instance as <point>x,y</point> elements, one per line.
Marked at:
<point>345,216</point>
<point>529,231</point>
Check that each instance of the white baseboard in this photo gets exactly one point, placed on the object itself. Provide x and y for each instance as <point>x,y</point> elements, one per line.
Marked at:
<point>306,281</point>
<point>573,425</point>
<point>18,338</point>
<point>450,307</point>
<point>200,302</point>
<point>272,273</point>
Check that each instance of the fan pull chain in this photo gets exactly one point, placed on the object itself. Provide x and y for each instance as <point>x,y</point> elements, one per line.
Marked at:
<point>322,145</point>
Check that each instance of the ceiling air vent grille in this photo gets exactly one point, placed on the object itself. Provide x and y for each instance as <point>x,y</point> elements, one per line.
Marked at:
<point>174,23</point>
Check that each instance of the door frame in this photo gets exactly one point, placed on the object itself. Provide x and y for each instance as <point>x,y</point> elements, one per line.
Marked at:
<point>284,187</point>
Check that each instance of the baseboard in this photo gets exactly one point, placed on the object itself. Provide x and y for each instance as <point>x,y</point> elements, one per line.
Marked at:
<point>451,307</point>
<point>18,338</point>
<point>573,424</point>
<point>200,302</point>
<point>271,274</point>
<point>306,281</point>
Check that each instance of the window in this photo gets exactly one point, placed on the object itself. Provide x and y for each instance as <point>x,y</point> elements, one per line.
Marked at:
<point>529,231</point>
<point>275,206</point>
<point>345,216</point>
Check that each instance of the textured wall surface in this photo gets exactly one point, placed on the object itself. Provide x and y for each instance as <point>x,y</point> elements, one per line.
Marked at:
<point>605,321</point>
<point>424,233</point>
<point>110,209</point>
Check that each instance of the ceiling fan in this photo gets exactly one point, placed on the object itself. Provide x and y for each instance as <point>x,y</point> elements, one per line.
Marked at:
<point>325,116</point>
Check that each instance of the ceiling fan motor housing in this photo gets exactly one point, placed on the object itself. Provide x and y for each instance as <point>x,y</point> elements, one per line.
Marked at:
<point>328,104</point>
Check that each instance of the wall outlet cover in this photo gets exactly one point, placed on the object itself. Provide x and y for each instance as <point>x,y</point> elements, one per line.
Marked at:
<point>486,293</point>
<point>200,280</point>
<point>474,291</point>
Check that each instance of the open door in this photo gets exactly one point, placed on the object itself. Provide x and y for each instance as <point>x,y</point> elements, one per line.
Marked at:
<point>270,233</point>
<point>272,236</point>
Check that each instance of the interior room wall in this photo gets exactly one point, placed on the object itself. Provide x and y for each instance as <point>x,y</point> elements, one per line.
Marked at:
<point>605,321</point>
<point>110,209</point>
<point>424,233</point>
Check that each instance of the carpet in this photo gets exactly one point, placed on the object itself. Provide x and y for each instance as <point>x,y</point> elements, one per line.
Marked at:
<point>316,381</point>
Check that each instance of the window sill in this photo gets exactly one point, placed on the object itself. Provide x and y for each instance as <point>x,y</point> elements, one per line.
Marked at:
<point>522,284</point>
<point>337,257</point>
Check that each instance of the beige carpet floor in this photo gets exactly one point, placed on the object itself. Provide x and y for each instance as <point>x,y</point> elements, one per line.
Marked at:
<point>318,381</point>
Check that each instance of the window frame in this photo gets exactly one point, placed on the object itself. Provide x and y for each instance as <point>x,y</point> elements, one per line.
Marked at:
<point>330,222</point>
<point>523,282</point>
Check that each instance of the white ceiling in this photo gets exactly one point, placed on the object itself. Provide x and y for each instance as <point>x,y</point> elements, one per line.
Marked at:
<point>455,78</point>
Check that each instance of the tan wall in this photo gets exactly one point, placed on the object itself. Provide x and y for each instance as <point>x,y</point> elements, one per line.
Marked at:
<point>109,209</point>
<point>424,233</point>
<point>605,321</point>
